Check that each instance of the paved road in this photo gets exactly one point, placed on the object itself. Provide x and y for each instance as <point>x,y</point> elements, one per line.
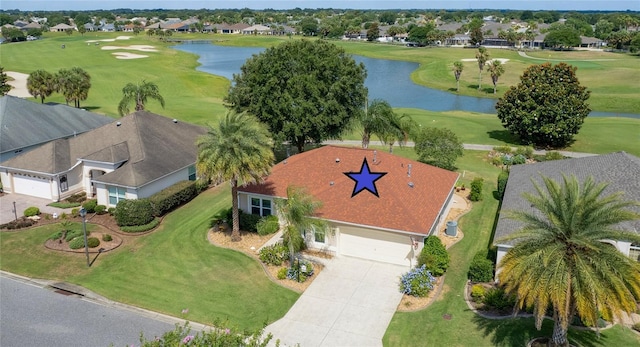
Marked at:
<point>34,316</point>
<point>470,146</point>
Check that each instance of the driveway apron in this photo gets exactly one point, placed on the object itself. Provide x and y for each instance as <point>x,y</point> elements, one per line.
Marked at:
<point>350,303</point>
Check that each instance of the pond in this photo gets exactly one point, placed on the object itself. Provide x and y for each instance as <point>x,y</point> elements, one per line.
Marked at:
<point>386,79</point>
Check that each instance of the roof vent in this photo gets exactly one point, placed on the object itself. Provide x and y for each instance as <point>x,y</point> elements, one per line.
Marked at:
<point>337,160</point>
<point>411,184</point>
<point>118,124</point>
<point>409,170</point>
<point>331,183</point>
<point>375,155</point>
<point>288,152</point>
<point>175,120</point>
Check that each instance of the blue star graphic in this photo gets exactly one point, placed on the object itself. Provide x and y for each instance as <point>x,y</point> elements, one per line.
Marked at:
<point>365,179</point>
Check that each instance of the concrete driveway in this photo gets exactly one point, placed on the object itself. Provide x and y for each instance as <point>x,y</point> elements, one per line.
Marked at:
<point>22,202</point>
<point>350,303</point>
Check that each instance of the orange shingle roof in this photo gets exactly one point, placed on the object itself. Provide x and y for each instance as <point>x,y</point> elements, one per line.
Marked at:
<point>400,207</point>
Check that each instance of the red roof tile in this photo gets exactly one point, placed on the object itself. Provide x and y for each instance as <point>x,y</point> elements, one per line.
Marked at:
<point>400,207</point>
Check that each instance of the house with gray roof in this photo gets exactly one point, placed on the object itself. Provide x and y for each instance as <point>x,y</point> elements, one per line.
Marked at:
<point>135,157</point>
<point>620,170</point>
<point>25,125</point>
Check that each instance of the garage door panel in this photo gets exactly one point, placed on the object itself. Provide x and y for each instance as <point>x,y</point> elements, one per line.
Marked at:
<point>376,245</point>
<point>32,186</point>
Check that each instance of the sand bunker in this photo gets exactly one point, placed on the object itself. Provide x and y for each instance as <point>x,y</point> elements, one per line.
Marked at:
<point>127,55</point>
<point>501,60</point>
<point>19,84</point>
<point>141,48</point>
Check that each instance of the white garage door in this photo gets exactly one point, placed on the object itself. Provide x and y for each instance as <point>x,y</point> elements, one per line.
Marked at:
<point>33,186</point>
<point>376,245</point>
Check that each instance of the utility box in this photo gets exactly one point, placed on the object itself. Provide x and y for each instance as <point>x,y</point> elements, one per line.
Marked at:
<point>452,228</point>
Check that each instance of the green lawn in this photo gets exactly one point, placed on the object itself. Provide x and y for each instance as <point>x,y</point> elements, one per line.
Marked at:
<point>429,328</point>
<point>169,270</point>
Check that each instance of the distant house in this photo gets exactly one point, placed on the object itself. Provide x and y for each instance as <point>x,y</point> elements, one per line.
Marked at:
<point>32,25</point>
<point>26,125</point>
<point>257,29</point>
<point>226,28</point>
<point>135,157</point>
<point>108,27</point>
<point>591,42</point>
<point>414,199</point>
<point>61,27</point>
<point>620,170</point>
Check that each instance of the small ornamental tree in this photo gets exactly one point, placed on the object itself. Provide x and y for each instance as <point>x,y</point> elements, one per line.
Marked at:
<point>438,147</point>
<point>476,189</point>
<point>548,106</point>
<point>5,87</point>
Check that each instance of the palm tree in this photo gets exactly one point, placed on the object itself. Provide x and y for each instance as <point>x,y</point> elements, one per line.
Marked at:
<point>496,69</point>
<point>482,56</point>
<point>74,84</point>
<point>457,71</point>
<point>560,260</point>
<point>240,151</point>
<point>40,83</point>
<point>4,86</point>
<point>297,211</point>
<point>400,128</point>
<point>139,93</point>
<point>375,120</point>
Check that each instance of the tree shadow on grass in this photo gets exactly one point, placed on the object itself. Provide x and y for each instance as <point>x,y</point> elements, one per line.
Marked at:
<point>519,331</point>
<point>504,136</point>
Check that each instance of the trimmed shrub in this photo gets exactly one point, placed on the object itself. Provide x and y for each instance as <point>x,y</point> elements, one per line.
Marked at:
<point>202,185</point>
<point>526,151</point>
<point>55,236</point>
<point>172,197</point>
<point>61,204</point>
<point>90,206</point>
<point>478,292</point>
<point>106,237</point>
<point>72,234</point>
<point>497,160</point>
<point>133,212</point>
<point>282,273</point>
<point>248,222</point>
<point>417,282</point>
<point>76,243</point>
<point>141,228</point>
<point>507,159</point>
<point>476,189</point>
<point>93,242</point>
<point>434,256</point>
<point>503,177</point>
<point>111,210</point>
<point>75,212</point>
<point>481,268</point>
<point>503,149</point>
<point>275,254</point>
<point>31,211</point>
<point>268,225</point>
<point>101,209</point>
<point>497,299</point>
<point>553,155</point>
<point>518,159</point>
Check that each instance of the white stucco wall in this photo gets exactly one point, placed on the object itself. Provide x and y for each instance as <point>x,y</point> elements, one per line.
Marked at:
<point>162,183</point>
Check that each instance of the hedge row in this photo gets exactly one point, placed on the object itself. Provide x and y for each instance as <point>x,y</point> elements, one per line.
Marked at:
<point>172,197</point>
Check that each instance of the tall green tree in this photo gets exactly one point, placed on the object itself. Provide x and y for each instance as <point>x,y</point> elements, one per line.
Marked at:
<point>297,212</point>
<point>139,94</point>
<point>561,261</point>
<point>399,129</point>
<point>303,90</point>
<point>438,147</point>
<point>563,37</point>
<point>41,84</point>
<point>74,84</point>
<point>5,87</point>
<point>457,72</point>
<point>238,150</point>
<point>375,120</point>
<point>481,56</point>
<point>548,106</point>
<point>373,32</point>
<point>496,69</point>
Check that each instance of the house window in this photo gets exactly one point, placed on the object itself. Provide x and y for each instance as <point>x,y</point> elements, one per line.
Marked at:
<point>192,173</point>
<point>634,252</point>
<point>260,206</point>
<point>64,185</point>
<point>318,235</point>
<point>116,194</point>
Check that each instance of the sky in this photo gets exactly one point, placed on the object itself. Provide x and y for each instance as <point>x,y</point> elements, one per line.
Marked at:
<point>577,5</point>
